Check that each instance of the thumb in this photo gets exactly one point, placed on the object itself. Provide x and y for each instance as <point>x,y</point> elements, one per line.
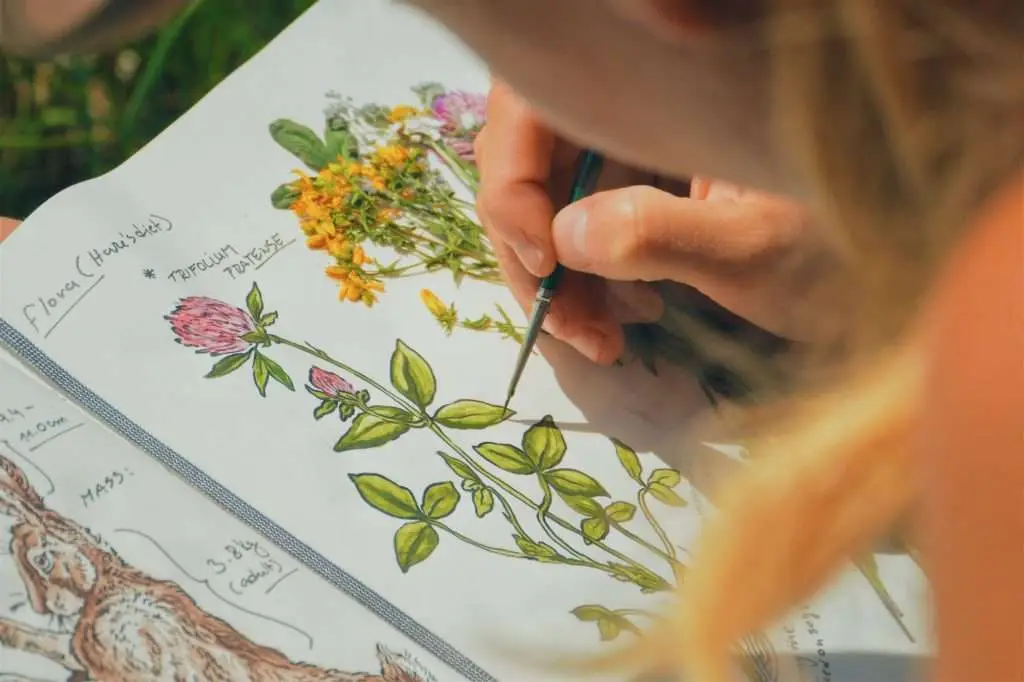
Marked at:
<point>642,233</point>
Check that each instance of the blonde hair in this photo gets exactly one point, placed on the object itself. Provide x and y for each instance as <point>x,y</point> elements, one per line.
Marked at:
<point>904,115</point>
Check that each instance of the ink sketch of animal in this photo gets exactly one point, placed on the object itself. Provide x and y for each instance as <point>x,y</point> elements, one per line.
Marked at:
<point>114,623</point>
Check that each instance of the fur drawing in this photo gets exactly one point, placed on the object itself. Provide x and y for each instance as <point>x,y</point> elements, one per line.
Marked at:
<point>115,623</point>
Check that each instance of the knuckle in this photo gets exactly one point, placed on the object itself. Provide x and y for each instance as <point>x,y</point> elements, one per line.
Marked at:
<point>637,229</point>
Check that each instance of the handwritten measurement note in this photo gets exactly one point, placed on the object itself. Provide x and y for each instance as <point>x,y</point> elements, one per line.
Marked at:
<point>102,488</point>
<point>47,310</point>
<point>32,428</point>
<point>247,566</point>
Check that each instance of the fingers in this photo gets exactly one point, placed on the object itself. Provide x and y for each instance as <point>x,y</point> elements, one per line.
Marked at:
<point>7,226</point>
<point>515,152</point>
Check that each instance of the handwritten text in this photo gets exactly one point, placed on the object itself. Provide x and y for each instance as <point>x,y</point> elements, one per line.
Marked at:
<point>102,488</point>
<point>207,263</point>
<point>256,257</point>
<point>246,564</point>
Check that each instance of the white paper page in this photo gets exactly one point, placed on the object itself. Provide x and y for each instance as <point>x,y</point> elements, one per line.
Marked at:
<point>92,278</point>
<point>207,562</point>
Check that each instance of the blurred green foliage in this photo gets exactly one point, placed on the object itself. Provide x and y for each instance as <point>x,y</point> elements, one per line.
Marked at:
<point>73,118</point>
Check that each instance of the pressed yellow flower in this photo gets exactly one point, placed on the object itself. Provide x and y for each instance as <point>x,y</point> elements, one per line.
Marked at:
<point>434,304</point>
<point>401,113</point>
<point>359,256</point>
<point>316,241</point>
<point>393,155</point>
<point>337,247</point>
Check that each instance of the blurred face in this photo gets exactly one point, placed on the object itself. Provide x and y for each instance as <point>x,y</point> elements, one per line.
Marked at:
<point>648,82</point>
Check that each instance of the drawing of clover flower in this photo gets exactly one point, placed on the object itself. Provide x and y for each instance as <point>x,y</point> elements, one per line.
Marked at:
<point>336,394</point>
<point>234,335</point>
<point>211,326</point>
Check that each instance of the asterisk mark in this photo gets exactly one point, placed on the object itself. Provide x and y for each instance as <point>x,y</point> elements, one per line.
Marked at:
<point>149,273</point>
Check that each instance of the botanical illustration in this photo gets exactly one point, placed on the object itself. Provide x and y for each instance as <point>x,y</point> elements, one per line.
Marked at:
<point>111,622</point>
<point>567,523</point>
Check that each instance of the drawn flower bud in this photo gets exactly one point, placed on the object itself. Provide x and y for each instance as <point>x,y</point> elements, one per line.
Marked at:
<point>328,382</point>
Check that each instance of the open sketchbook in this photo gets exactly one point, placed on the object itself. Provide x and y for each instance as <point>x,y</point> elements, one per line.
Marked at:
<point>263,439</point>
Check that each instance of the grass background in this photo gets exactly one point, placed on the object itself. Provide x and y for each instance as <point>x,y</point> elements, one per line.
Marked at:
<point>70,119</point>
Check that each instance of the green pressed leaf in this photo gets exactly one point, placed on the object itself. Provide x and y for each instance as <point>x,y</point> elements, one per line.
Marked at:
<point>228,364</point>
<point>254,302</point>
<point>371,431</point>
<point>260,374</point>
<point>412,376</point>
<point>483,501</point>
<point>594,529</point>
<point>440,499</point>
<point>669,478</point>
<point>666,495</point>
<point>536,550</point>
<point>386,496</point>
<point>461,469</point>
<point>414,543</point>
<point>583,505</point>
<point>341,143</point>
<point>544,444</point>
<point>471,414</point>
<point>629,461</point>
<point>620,512</point>
<point>574,483</point>
<point>324,408</point>
<point>506,457</point>
<point>300,141</point>
<point>284,196</point>
<point>278,373</point>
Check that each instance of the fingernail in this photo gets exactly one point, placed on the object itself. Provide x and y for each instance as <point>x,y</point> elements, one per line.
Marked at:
<point>634,302</point>
<point>590,343</point>
<point>531,257</point>
<point>570,226</point>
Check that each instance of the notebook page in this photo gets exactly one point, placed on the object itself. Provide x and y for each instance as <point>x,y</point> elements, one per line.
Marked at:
<point>186,309</point>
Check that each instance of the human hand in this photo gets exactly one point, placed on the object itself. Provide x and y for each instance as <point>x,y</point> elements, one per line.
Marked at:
<point>754,254</point>
<point>7,226</point>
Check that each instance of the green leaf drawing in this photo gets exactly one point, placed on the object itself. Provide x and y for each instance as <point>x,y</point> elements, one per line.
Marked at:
<point>620,512</point>
<point>609,624</point>
<point>583,505</point>
<point>386,496</point>
<point>483,502</point>
<point>506,457</point>
<point>341,143</point>
<point>574,483</point>
<point>371,431</point>
<point>440,500</point>
<point>544,444</point>
<point>414,543</point>
<point>594,529</point>
<point>629,460</point>
<point>471,414</point>
<point>669,478</point>
<point>300,141</point>
<point>535,550</point>
<point>666,495</point>
<point>324,408</point>
<point>260,374</point>
<point>268,319</point>
<point>278,374</point>
<point>228,364</point>
<point>254,302</point>
<point>647,580</point>
<point>412,376</point>
<point>460,468</point>
<point>284,196</point>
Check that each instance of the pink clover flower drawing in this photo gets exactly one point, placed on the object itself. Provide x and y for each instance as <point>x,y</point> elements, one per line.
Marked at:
<point>328,383</point>
<point>211,326</point>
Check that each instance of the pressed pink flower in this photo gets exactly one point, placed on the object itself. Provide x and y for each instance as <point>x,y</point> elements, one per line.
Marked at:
<point>211,326</point>
<point>461,111</point>
<point>328,382</point>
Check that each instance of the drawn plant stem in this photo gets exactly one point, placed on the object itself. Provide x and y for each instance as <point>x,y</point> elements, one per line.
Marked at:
<point>501,483</point>
<point>645,509</point>
<point>479,545</point>
<point>544,510</point>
